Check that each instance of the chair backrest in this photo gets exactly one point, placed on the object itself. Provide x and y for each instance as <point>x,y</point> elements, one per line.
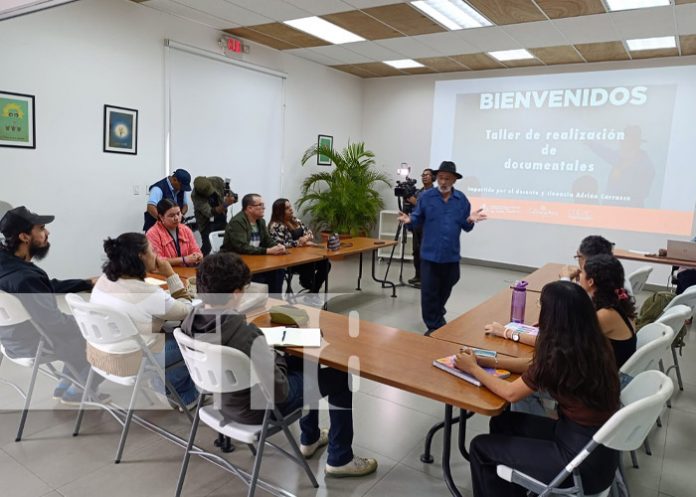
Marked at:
<point>639,277</point>
<point>99,324</point>
<point>216,238</point>
<point>643,400</point>
<point>12,311</point>
<point>652,341</point>
<point>215,368</point>
<point>674,317</point>
<point>688,298</point>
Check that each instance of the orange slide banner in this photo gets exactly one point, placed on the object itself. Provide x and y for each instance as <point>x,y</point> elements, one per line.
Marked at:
<point>592,216</point>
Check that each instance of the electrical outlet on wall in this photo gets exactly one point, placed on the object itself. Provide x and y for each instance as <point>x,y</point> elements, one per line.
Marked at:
<point>136,189</point>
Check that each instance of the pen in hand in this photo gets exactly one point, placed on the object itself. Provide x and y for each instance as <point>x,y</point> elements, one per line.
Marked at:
<point>283,338</point>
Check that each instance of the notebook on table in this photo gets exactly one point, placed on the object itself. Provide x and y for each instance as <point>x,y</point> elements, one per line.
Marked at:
<point>447,364</point>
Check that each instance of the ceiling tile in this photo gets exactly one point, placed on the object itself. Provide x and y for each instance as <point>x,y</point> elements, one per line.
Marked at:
<point>508,11</point>
<point>290,35</point>
<point>477,61</point>
<point>366,4</point>
<point>448,43</point>
<point>314,56</point>
<point>686,19</point>
<point>489,39</point>
<point>683,2</point>
<point>379,69</point>
<point>278,10</point>
<point>355,70</point>
<point>650,54</point>
<point>321,7</point>
<point>409,47</point>
<point>557,55</point>
<point>405,19</point>
<point>373,51</point>
<point>535,34</point>
<point>598,52</point>
<point>341,54</point>
<point>643,23</point>
<point>250,34</point>
<point>587,29</point>
<point>557,9</point>
<point>191,13</point>
<point>419,70</point>
<point>442,64</point>
<point>226,10</point>
<point>688,44</point>
<point>361,24</point>
<point>523,63</point>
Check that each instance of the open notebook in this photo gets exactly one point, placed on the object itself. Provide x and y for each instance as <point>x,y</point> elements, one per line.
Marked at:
<point>280,336</point>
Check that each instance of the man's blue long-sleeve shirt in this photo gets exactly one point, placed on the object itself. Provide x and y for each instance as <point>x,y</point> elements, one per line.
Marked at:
<point>442,221</point>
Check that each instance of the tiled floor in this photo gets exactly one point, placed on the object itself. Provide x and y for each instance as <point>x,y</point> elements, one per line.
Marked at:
<point>389,425</point>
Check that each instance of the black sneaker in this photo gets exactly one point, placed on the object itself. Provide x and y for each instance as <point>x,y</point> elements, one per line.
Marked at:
<point>414,281</point>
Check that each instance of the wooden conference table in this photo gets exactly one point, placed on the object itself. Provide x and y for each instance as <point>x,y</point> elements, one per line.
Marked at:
<point>652,258</point>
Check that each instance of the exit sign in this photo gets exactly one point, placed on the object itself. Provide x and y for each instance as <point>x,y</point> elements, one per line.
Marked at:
<point>233,47</point>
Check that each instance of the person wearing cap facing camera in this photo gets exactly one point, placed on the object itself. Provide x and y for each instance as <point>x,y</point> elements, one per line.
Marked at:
<point>211,197</point>
<point>174,188</point>
<point>26,238</point>
<point>442,212</point>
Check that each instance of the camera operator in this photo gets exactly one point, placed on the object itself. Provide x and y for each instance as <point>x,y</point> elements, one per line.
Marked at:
<point>427,179</point>
<point>211,197</point>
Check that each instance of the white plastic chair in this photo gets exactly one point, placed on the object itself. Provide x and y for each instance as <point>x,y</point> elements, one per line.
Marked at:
<point>216,238</point>
<point>217,369</point>
<point>675,316</point>
<point>643,400</point>
<point>13,313</point>
<point>101,325</point>
<point>639,278</point>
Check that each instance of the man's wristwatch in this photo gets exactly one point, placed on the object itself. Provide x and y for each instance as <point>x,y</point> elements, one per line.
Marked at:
<point>515,336</point>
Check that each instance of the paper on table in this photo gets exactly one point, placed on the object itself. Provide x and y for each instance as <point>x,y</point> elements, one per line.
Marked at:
<point>280,336</point>
<point>154,281</point>
<point>639,252</point>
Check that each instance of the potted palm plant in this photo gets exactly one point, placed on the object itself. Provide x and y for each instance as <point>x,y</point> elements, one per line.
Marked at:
<point>344,200</point>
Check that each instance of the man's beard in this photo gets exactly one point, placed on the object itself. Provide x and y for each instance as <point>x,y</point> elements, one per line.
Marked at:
<point>38,252</point>
<point>444,189</point>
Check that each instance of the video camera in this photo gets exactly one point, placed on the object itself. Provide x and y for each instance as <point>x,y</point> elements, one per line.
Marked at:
<point>228,191</point>
<point>405,188</point>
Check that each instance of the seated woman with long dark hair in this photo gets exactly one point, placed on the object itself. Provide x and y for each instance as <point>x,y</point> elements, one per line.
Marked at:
<point>171,239</point>
<point>574,363</point>
<point>288,230</point>
<point>123,287</point>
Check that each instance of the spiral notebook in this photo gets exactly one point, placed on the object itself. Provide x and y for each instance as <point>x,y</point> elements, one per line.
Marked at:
<point>448,364</point>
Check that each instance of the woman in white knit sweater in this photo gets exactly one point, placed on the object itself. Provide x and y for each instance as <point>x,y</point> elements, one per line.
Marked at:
<point>123,287</point>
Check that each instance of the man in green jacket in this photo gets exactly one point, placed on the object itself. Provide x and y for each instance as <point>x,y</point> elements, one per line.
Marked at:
<point>246,233</point>
<point>211,198</point>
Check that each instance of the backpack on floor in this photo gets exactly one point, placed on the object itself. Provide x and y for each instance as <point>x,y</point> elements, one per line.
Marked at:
<point>652,308</point>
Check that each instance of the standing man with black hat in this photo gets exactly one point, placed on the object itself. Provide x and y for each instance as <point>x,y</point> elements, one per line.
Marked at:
<point>174,188</point>
<point>442,212</point>
<point>26,238</point>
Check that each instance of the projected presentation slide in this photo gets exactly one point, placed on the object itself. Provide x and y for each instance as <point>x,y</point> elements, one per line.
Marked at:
<point>613,149</point>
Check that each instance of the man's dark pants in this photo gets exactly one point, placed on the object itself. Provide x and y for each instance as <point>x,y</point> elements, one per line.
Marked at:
<point>437,281</point>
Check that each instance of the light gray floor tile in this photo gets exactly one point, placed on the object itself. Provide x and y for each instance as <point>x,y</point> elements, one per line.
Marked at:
<point>406,481</point>
<point>678,475</point>
<point>17,481</point>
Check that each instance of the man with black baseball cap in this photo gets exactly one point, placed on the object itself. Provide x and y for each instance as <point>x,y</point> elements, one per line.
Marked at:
<point>174,188</point>
<point>26,238</point>
<point>443,212</point>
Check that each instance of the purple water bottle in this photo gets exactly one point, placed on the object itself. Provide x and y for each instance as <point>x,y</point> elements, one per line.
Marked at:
<point>519,300</point>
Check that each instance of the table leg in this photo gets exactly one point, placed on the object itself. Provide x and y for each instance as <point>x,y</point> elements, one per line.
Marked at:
<point>374,276</point>
<point>359,273</point>
<point>426,457</point>
<point>446,443</point>
<point>463,416</point>
<point>326,291</point>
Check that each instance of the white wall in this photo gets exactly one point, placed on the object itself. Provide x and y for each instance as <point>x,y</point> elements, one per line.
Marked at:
<point>80,56</point>
<point>397,125</point>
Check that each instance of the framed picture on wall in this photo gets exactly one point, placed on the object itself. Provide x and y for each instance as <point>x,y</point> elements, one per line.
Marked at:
<point>120,130</point>
<point>17,128</point>
<point>325,141</point>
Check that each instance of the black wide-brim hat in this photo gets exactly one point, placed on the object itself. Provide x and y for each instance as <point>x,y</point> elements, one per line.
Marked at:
<point>447,166</point>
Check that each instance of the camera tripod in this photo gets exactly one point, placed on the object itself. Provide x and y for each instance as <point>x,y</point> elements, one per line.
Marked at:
<point>402,232</point>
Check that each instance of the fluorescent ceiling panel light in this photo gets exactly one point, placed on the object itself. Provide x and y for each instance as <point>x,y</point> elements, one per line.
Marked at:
<point>14,8</point>
<point>452,14</point>
<point>325,30</point>
<point>503,55</point>
<point>651,43</point>
<point>614,5</point>
<point>403,63</point>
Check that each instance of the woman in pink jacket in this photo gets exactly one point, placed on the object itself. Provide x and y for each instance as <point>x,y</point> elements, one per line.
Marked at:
<point>172,240</point>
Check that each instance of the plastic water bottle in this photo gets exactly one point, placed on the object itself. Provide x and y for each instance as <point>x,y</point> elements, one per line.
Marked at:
<point>519,300</point>
<point>334,242</point>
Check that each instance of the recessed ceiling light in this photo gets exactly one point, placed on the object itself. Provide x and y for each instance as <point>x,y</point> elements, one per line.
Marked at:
<point>651,43</point>
<point>325,30</point>
<point>453,14</point>
<point>503,55</point>
<point>634,4</point>
<point>403,63</point>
